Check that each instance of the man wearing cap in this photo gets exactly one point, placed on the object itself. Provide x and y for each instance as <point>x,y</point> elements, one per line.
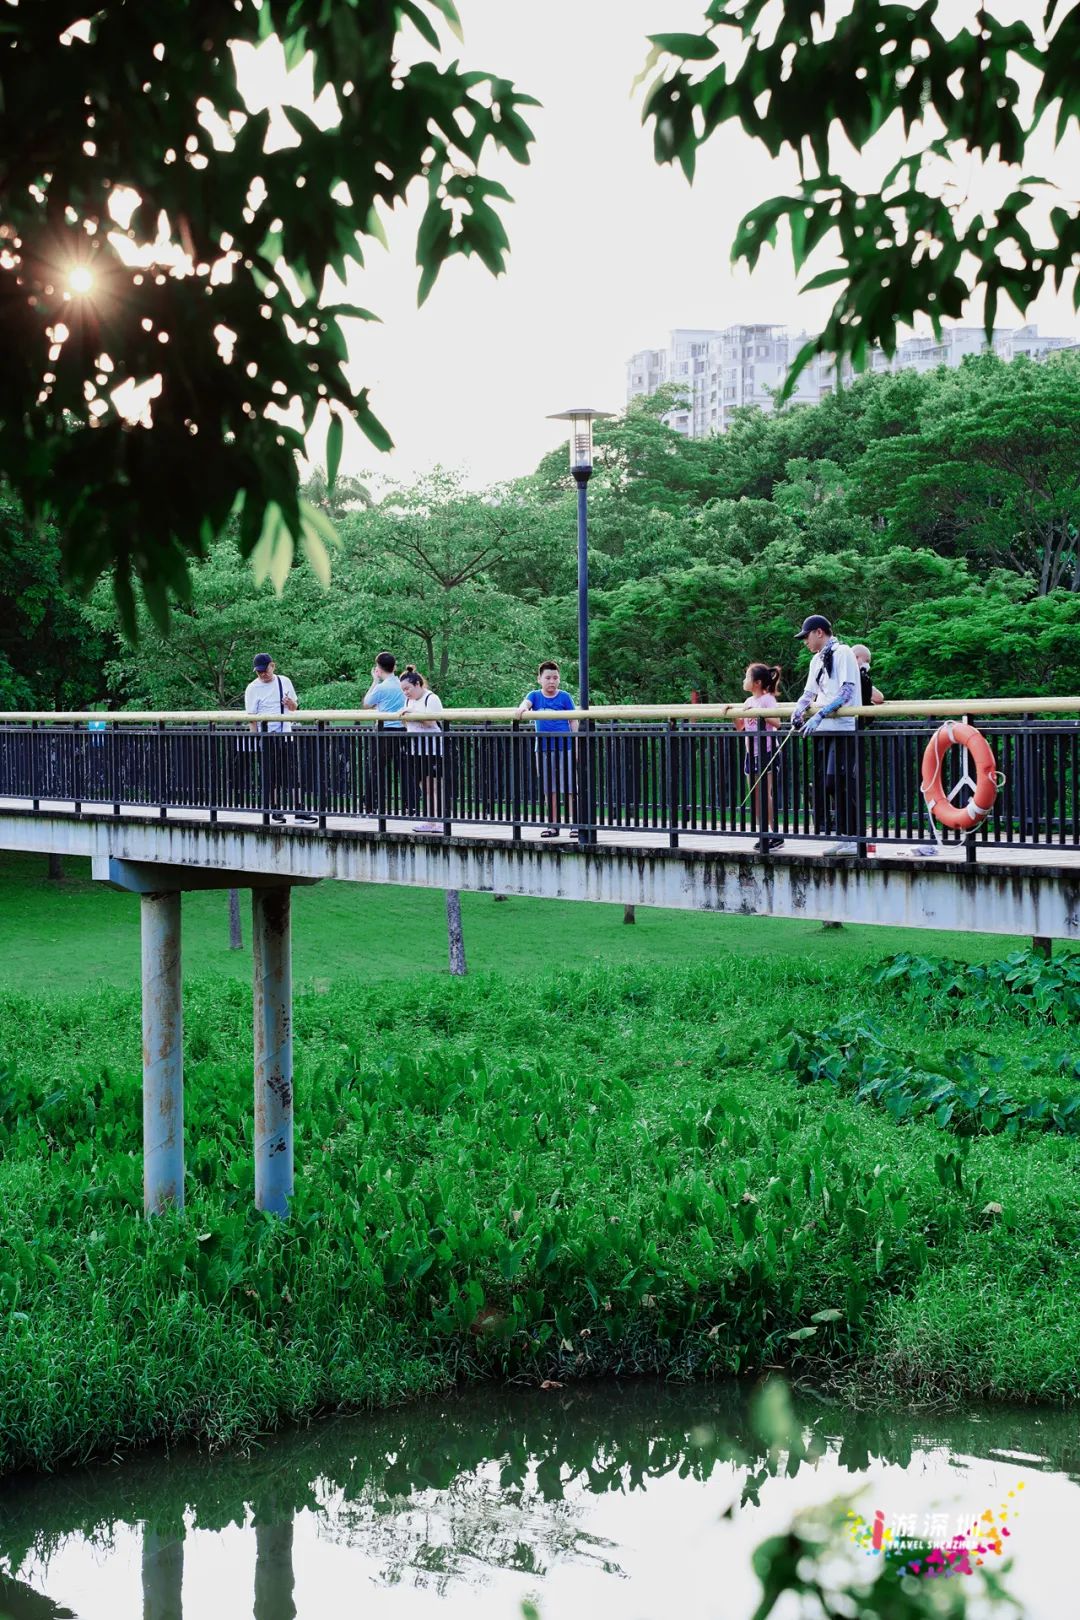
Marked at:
<point>271,693</point>
<point>833,681</point>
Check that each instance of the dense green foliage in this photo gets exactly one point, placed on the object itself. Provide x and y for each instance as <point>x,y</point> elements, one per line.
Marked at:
<point>859,1057</point>
<point>935,516</point>
<point>212,241</point>
<point>961,106</point>
<point>49,655</point>
<point>648,1194</point>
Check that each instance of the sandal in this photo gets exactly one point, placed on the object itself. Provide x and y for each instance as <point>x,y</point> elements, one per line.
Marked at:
<point>549,832</point>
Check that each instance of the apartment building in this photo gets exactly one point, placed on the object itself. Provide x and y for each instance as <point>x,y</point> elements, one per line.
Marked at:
<point>723,369</point>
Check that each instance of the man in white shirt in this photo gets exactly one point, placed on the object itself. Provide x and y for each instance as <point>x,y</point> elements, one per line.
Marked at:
<point>271,693</point>
<point>832,683</point>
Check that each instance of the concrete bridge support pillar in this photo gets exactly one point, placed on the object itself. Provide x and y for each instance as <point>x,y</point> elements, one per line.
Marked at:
<point>271,914</point>
<point>163,1053</point>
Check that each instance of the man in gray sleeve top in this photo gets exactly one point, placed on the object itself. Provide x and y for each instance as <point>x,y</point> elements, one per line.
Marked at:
<point>832,683</point>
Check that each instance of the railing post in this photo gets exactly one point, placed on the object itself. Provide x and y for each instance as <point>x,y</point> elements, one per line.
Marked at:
<point>447,782</point>
<point>586,784</point>
<point>321,776</point>
<point>970,850</point>
<point>212,773</point>
<point>162,807</point>
<point>513,786</point>
<point>382,775</point>
<point>112,754</point>
<point>670,770</point>
<point>263,756</point>
<point>758,763</point>
<point>76,758</point>
<point>33,764</point>
<point>859,791</point>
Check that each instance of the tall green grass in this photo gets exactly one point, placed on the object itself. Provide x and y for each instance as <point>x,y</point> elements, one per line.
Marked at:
<point>600,1172</point>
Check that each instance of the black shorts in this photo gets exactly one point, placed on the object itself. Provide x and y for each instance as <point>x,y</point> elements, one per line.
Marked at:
<point>424,761</point>
<point>556,768</point>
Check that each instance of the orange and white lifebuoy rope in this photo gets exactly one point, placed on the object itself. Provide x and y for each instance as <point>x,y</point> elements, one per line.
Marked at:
<point>962,818</point>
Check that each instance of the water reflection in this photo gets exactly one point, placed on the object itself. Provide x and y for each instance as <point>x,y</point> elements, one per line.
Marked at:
<point>451,1490</point>
<point>20,1602</point>
<point>163,1573</point>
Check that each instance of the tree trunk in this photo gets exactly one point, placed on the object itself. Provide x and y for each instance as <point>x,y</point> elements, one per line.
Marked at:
<point>236,934</point>
<point>56,868</point>
<point>454,934</point>
<point>629,914</point>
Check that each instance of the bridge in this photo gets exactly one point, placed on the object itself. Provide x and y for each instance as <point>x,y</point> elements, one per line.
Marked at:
<point>655,806</point>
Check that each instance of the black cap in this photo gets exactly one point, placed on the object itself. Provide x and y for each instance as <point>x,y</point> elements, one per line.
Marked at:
<point>814,622</point>
<point>261,661</point>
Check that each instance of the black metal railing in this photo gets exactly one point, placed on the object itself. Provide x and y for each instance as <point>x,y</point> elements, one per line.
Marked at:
<point>677,778</point>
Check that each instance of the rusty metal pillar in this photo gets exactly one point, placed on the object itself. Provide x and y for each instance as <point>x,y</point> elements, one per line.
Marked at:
<point>163,1053</point>
<point>270,915</point>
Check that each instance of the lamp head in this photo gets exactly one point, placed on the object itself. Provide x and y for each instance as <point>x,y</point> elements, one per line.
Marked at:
<point>581,437</point>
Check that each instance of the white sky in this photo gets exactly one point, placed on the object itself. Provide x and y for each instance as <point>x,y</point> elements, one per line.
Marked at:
<point>608,250</point>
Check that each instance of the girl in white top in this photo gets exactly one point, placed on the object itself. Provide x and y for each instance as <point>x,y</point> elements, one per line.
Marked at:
<point>422,707</point>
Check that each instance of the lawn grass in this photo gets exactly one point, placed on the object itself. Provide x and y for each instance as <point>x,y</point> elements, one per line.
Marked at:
<point>65,937</point>
<point>588,1160</point>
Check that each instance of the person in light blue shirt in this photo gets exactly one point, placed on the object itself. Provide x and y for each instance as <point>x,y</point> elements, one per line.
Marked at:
<point>385,692</point>
<point>554,743</point>
<point>384,744</point>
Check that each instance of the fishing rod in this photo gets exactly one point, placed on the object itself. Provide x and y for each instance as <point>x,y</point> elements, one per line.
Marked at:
<point>774,755</point>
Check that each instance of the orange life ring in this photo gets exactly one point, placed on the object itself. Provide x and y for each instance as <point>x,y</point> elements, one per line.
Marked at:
<point>979,806</point>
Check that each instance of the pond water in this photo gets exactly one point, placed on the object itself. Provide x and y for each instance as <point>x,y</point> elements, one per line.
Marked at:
<point>631,1501</point>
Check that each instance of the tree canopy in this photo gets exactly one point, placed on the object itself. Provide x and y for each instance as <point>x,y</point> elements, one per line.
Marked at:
<point>171,258</point>
<point>933,516</point>
<point>157,234</point>
<point>814,78</point>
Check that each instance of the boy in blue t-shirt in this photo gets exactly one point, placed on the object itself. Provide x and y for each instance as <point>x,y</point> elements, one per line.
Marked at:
<point>383,751</point>
<point>554,743</point>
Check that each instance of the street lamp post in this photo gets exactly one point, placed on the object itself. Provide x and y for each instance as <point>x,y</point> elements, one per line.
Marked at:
<point>581,466</point>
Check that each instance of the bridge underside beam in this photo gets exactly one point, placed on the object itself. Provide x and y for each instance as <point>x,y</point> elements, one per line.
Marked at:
<point>147,877</point>
<point>995,896</point>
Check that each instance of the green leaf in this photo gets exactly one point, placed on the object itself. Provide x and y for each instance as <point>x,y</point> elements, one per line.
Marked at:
<point>369,424</point>
<point>315,551</point>
<point>423,24</point>
<point>373,226</point>
<point>691,47</point>
<point>827,1316</point>
<point>801,1333</point>
<point>450,12</point>
<point>273,554</point>
<point>335,438</point>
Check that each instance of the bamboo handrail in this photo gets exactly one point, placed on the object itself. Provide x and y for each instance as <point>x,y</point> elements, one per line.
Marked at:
<point>931,708</point>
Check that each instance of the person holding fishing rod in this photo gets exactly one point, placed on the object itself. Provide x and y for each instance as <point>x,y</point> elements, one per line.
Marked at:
<point>833,681</point>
